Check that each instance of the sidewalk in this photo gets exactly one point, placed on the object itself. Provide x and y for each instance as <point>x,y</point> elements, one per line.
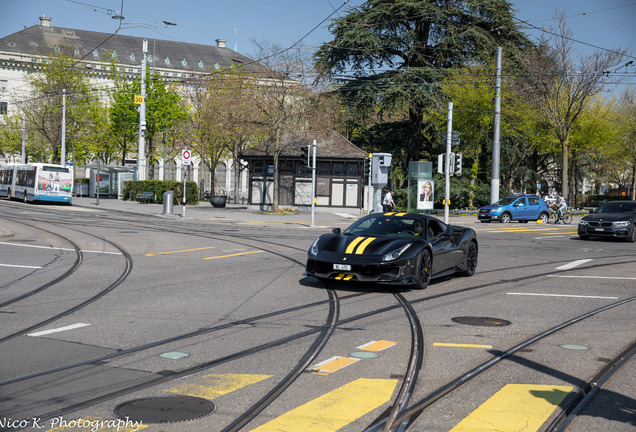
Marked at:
<point>324,218</point>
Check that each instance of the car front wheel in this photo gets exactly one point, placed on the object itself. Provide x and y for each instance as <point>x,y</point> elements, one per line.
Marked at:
<point>505,218</point>
<point>424,268</point>
<point>632,234</point>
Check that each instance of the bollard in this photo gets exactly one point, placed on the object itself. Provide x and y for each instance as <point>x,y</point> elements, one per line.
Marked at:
<point>167,202</point>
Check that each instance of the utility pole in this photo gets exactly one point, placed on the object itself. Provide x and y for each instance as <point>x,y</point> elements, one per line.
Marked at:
<point>313,184</point>
<point>449,139</point>
<point>141,161</point>
<point>496,145</point>
<point>63,151</point>
<point>23,159</point>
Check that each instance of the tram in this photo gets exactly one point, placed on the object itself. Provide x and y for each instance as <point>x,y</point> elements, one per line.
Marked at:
<point>39,182</point>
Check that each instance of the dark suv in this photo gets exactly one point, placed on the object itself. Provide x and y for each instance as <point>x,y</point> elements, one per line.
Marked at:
<point>522,208</point>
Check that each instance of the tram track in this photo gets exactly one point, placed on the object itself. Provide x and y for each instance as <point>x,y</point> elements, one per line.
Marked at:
<point>399,415</point>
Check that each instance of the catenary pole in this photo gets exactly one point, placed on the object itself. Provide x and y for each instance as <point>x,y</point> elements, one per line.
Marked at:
<point>141,161</point>
<point>449,138</point>
<point>496,145</point>
<point>63,150</point>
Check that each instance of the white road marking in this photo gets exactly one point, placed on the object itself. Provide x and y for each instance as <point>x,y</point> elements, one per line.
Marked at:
<point>20,266</point>
<point>346,215</point>
<point>59,329</point>
<point>594,277</point>
<point>54,248</point>
<point>573,264</point>
<point>562,295</point>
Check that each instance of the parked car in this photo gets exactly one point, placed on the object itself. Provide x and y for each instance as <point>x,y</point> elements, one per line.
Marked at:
<point>522,208</point>
<point>611,219</point>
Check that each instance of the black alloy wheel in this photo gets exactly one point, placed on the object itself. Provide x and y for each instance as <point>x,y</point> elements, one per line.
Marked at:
<point>471,260</point>
<point>424,269</point>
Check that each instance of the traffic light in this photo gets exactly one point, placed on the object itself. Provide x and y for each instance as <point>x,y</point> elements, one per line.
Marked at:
<point>458,164</point>
<point>440,164</point>
<point>367,167</point>
<point>306,156</point>
<point>451,164</point>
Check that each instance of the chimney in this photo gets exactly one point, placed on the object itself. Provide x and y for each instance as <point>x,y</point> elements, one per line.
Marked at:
<point>45,21</point>
<point>220,43</point>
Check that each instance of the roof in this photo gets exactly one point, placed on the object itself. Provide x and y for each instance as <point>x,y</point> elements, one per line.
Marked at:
<point>329,145</point>
<point>184,57</point>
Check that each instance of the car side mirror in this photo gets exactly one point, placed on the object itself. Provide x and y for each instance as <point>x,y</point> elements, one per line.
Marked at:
<point>336,231</point>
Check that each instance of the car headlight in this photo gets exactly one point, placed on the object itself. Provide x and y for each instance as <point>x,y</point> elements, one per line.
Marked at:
<point>313,250</point>
<point>395,254</point>
<point>621,223</point>
<point>583,223</point>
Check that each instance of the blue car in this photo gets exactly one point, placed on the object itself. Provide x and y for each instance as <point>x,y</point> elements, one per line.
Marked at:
<point>515,208</point>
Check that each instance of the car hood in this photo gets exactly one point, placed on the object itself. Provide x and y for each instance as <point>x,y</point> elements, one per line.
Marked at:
<point>491,207</point>
<point>607,217</point>
<point>360,245</point>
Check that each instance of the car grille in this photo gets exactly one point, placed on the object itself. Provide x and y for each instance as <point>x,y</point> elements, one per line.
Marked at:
<point>600,224</point>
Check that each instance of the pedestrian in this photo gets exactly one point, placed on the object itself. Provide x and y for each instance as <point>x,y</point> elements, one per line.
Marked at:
<point>387,203</point>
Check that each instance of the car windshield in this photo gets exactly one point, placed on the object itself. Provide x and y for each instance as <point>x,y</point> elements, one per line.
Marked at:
<point>617,208</point>
<point>506,201</point>
<point>388,226</point>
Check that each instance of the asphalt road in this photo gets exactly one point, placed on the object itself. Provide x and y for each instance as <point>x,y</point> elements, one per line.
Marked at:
<point>214,307</point>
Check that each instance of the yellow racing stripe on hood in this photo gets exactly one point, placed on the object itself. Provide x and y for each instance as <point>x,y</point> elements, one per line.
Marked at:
<point>353,244</point>
<point>364,245</point>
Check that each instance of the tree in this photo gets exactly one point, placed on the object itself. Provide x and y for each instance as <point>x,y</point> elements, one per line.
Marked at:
<point>394,53</point>
<point>61,77</point>
<point>284,99</point>
<point>627,134</point>
<point>164,110</point>
<point>561,89</point>
<point>222,116</point>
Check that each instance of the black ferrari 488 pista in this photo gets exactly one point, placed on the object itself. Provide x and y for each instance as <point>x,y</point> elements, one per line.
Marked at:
<point>394,248</point>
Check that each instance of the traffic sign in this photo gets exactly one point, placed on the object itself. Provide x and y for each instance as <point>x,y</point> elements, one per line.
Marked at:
<point>186,156</point>
<point>139,99</point>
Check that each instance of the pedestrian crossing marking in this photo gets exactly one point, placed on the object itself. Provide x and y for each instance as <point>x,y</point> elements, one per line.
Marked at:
<point>215,385</point>
<point>336,409</point>
<point>516,407</point>
<point>376,345</point>
<point>333,364</point>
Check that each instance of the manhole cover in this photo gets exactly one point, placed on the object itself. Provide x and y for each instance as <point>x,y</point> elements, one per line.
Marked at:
<point>169,409</point>
<point>481,321</point>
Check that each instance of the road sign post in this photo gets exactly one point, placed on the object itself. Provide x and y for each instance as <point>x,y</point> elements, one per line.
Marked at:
<point>186,161</point>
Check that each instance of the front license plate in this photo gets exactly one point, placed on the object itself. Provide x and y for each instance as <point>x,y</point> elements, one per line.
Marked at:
<point>599,229</point>
<point>345,267</point>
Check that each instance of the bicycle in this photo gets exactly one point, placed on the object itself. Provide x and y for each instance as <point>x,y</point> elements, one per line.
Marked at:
<point>554,216</point>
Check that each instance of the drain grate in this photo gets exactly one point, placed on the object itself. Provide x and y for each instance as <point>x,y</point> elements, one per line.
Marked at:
<point>169,409</point>
<point>481,321</point>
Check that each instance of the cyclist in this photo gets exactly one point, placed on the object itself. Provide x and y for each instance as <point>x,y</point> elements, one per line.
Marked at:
<point>560,205</point>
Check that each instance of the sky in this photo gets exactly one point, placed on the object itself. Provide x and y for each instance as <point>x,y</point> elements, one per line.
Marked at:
<point>595,24</point>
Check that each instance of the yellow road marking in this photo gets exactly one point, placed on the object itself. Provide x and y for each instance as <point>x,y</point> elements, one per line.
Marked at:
<point>353,244</point>
<point>91,424</point>
<point>180,251</point>
<point>443,344</point>
<point>336,409</point>
<point>364,245</point>
<point>215,385</point>
<point>232,255</point>
<point>516,407</point>
<point>376,345</point>
<point>332,365</point>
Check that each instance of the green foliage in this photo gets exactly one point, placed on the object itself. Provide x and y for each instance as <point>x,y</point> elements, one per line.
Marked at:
<point>399,50</point>
<point>158,187</point>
